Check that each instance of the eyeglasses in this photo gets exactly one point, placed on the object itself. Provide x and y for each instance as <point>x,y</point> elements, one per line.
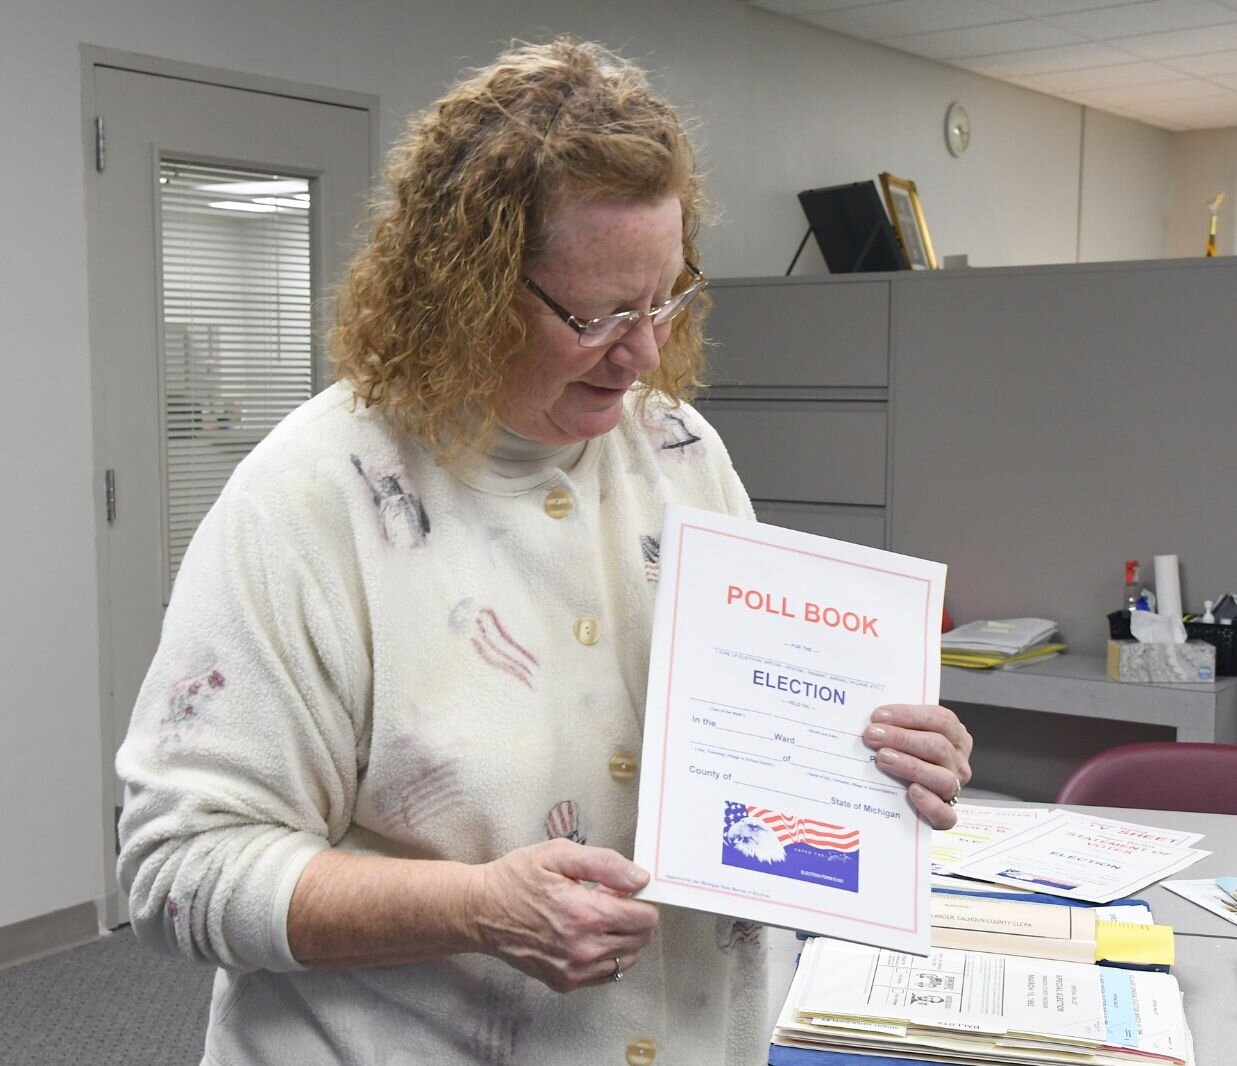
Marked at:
<point>598,332</point>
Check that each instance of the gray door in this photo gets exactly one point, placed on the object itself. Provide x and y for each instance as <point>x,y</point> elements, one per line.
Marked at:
<point>218,222</point>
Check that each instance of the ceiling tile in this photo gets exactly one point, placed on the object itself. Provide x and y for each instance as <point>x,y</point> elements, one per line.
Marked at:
<point>1136,96</point>
<point>1100,77</point>
<point>1153,16</point>
<point>1180,42</point>
<point>1044,60</point>
<point>898,18</point>
<point>1204,66</point>
<point>1120,112</point>
<point>1044,8</point>
<point>1172,124</point>
<point>1194,114</point>
<point>800,7</point>
<point>1171,64</point>
<point>1017,36</point>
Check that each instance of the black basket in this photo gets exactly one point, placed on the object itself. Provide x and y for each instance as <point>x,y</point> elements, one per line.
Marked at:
<point>1223,637</point>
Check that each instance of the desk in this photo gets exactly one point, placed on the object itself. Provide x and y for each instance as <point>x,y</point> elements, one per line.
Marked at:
<point>1206,945</point>
<point>1079,685</point>
<point>1206,970</point>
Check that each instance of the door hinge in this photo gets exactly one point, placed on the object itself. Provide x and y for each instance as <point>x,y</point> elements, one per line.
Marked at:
<point>98,143</point>
<point>109,488</point>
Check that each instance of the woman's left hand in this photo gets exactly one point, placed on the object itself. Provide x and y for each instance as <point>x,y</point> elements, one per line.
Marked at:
<point>925,745</point>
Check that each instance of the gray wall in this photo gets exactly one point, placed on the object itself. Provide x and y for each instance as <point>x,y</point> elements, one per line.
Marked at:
<point>1203,164</point>
<point>781,107</point>
<point>1050,423</point>
<point>1134,223</point>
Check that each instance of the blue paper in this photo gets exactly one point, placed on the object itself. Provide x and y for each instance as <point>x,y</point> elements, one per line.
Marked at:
<point>1120,1017</point>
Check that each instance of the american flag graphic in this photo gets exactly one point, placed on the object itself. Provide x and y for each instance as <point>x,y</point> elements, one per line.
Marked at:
<point>792,830</point>
<point>563,820</point>
<point>500,650</point>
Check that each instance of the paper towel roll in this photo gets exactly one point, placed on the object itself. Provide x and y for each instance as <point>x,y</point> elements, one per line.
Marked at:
<point>1167,586</point>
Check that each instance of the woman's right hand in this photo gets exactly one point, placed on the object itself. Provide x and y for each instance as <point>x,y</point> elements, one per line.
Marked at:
<point>561,912</point>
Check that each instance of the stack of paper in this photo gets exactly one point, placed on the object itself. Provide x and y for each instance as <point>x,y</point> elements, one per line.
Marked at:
<point>1013,927</point>
<point>974,1007</point>
<point>1037,930</point>
<point>1080,857</point>
<point>1011,978</point>
<point>977,827</point>
<point>1001,642</point>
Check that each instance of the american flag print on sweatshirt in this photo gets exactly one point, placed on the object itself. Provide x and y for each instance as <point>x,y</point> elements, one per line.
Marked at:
<point>494,645</point>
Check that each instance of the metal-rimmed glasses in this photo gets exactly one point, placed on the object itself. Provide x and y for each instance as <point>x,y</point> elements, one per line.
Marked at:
<point>598,332</point>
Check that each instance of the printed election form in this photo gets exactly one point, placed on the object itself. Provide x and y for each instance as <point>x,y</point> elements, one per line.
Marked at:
<point>758,797</point>
<point>976,828</point>
<point>1082,857</point>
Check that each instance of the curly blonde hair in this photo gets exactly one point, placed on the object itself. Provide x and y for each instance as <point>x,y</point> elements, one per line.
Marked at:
<point>428,327</point>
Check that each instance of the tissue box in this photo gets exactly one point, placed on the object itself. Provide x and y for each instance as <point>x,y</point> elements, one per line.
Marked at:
<point>1131,660</point>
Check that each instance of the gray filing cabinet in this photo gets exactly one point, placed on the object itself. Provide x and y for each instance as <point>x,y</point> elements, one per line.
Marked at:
<point>799,391</point>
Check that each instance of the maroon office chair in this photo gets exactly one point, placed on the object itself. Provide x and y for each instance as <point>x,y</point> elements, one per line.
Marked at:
<point>1158,776</point>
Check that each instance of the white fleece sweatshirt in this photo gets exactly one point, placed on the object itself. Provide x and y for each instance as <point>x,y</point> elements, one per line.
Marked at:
<point>370,652</point>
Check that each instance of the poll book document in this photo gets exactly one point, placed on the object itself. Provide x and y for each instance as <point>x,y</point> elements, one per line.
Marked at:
<point>758,798</point>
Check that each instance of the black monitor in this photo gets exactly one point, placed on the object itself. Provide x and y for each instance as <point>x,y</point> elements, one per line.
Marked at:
<point>852,228</point>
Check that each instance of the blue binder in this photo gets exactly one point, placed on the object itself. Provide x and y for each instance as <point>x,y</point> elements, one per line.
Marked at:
<point>800,1056</point>
<point>1036,897</point>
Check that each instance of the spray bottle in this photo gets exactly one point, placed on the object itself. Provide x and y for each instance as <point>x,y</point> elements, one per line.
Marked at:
<point>1131,584</point>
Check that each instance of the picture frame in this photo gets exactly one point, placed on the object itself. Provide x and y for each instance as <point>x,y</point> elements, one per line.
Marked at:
<point>906,213</point>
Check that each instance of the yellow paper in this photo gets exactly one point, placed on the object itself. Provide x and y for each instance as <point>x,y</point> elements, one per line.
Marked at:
<point>1140,945</point>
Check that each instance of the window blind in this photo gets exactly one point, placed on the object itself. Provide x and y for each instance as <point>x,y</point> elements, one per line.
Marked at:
<point>237,347</point>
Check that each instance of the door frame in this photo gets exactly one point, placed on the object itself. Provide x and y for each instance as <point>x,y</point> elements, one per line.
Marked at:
<point>113,907</point>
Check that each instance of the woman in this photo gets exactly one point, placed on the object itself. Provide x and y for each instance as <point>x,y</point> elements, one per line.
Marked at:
<point>383,769</point>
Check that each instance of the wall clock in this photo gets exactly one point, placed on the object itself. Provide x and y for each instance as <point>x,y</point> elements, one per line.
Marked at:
<point>957,129</point>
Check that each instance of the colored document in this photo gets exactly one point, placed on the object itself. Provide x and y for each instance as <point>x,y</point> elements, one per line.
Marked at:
<point>977,827</point>
<point>1143,1014</point>
<point>758,797</point>
<point>1083,858</point>
<point>1133,831</point>
<point>1134,943</point>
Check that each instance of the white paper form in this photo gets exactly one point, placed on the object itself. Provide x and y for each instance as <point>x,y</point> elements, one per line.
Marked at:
<point>976,828</point>
<point>1079,857</point>
<point>1149,834</point>
<point>1017,999</point>
<point>758,798</point>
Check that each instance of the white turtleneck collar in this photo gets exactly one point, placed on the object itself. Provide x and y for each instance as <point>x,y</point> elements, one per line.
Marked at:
<point>512,465</point>
<point>512,456</point>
